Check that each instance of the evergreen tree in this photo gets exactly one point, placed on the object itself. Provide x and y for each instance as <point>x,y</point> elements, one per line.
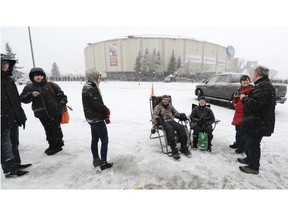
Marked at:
<point>179,63</point>
<point>55,72</point>
<point>145,66</point>
<point>172,67</point>
<point>16,72</point>
<point>137,67</point>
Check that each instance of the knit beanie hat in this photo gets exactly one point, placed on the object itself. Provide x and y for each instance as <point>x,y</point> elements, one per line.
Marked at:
<point>92,74</point>
<point>202,98</point>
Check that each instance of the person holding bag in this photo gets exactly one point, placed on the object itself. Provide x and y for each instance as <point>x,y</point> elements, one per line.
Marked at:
<point>202,118</point>
<point>47,105</point>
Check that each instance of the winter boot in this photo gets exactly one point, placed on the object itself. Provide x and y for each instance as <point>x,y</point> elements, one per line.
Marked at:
<point>247,169</point>
<point>54,150</point>
<point>175,154</point>
<point>22,166</point>
<point>186,152</point>
<point>96,162</point>
<point>48,149</point>
<point>243,160</point>
<point>105,165</point>
<point>16,173</point>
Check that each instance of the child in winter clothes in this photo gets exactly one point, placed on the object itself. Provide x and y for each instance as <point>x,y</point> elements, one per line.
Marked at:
<point>245,88</point>
<point>48,102</point>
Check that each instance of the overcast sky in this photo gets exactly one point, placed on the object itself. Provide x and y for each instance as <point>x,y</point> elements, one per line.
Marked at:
<point>255,31</point>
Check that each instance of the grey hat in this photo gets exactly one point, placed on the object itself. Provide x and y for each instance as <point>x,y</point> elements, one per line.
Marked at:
<point>92,74</point>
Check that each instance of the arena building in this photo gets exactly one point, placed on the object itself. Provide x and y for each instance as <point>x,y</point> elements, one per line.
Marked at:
<point>117,57</point>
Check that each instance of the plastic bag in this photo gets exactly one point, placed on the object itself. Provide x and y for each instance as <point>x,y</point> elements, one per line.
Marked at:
<point>202,141</point>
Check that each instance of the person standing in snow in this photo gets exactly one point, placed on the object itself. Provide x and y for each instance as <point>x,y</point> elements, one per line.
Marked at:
<point>48,102</point>
<point>202,118</point>
<point>12,116</point>
<point>164,114</point>
<point>245,88</point>
<point>259,118</point>
<point>97,115</point>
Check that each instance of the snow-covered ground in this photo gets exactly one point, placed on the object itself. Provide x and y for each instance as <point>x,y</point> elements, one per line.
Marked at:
<point>138,161</point>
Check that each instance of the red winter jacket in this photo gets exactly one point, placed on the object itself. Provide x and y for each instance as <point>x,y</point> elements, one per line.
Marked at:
<point>239,106</point>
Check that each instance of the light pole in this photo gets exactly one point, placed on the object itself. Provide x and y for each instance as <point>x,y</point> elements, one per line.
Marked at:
<point>30,39</point>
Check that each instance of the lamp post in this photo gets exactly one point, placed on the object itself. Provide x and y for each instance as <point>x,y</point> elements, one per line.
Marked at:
<point>30,39</point>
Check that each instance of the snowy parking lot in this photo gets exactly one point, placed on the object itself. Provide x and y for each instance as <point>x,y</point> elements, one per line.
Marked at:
<point>138,161</point>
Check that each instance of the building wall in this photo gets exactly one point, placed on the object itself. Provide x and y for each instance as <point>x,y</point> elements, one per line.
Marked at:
<point>119,55</point>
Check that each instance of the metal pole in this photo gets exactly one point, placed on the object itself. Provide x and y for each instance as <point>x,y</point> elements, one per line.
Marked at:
<point>31,46</point>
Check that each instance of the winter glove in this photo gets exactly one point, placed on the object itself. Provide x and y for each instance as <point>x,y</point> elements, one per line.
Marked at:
<point>183,117</point>
<point>35,93</point>
<point>159,121</point>
<point>107,118</point>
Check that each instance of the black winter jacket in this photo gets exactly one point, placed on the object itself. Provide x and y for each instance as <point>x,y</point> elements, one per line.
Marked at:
<point>46,104</point>
<point>11,111</point>
<point>202,112</point>
<point>259,109</point>
<point>93,105</point>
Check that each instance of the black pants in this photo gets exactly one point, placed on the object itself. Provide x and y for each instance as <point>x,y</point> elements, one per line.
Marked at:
<point>53,131</point>
<point>207,129</point>
<point>170,128</point>
<point>253,150</point>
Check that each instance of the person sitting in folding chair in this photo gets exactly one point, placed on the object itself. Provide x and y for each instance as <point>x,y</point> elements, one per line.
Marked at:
<point>164,114</point>
<point>202,118</point>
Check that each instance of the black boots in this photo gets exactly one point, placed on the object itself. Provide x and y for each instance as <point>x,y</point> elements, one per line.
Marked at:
<point>175,154</point>
<point>105,165</point>
<point>16,173</point>
<point>52,151</point>
<point>96,162</point>
<point>22,166</point>
<point>186,152</point>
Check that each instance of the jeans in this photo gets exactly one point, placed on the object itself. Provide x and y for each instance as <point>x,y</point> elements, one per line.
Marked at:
<point>7,150</point>
<point>253,150</point>
<point>99,131</point>
<point>240,139</point>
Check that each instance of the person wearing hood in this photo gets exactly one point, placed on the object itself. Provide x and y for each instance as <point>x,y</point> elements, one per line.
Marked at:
<point>97,115</point>
<point>258,119</point>
<point>48,102</point>
<point>164,114</point>
<point>12,116</point>
<point>202,118</point>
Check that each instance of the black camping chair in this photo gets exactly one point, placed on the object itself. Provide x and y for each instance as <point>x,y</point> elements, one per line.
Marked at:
<point>158,132</point>
<point>213,126</point>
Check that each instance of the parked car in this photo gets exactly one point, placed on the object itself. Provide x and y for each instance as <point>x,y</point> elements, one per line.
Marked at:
<point>222,86</point>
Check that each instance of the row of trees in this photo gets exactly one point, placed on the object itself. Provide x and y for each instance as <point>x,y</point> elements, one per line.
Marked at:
<point>149,65</point>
